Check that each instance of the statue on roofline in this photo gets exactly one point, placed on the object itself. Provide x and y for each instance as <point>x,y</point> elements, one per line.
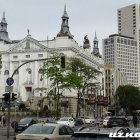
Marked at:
<point>86,41</point>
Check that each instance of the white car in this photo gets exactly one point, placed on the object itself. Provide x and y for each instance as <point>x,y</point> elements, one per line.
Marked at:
<point>89,120</point>
<point>67,121</point>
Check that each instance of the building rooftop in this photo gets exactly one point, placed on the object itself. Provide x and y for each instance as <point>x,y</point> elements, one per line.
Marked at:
<point>121,36</point>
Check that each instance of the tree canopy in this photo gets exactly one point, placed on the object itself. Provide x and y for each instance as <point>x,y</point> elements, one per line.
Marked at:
<point>76,75</point>
<point>128,97</point>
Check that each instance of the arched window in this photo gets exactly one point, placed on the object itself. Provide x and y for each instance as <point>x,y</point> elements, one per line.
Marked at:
<point>6,72</point>
<point>41,71</point>
<point>28,70</point>
<point>29,74</point>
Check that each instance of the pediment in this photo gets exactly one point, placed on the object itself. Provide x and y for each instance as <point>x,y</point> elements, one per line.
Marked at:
<point>28,44</point>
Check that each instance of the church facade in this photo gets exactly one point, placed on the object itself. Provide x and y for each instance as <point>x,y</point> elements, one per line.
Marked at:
<point>28,78</point>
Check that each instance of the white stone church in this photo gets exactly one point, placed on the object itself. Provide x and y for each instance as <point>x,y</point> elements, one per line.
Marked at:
<point>28,77</point>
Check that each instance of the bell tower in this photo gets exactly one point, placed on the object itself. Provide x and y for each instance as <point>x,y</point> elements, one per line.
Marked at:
<point>95,47</point>
<point>64,26</point>
<point>3,30</point>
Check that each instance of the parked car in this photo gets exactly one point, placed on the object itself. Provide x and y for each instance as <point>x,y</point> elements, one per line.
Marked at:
<point>92,133</point>
<point>78,121</point>
<point>67,121</point>
<point>113,121</point>
<point>25,123</point>
<point>129,118</point>
<point>47,120</point>
<point>98,121</point>
<point>46,131</point>
<point>89,120</point>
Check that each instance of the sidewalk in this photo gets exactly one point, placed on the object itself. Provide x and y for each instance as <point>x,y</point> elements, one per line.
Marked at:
<point>3,131</point>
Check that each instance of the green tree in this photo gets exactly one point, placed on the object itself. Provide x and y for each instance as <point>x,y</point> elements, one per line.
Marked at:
<point>76,75</point>
<point>86,73</point>
<point>57,77</point>
<point>128,96</point>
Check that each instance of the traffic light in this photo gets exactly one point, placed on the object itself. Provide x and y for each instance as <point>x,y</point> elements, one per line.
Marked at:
<point>63,61</point>
<point>6,97</point>
<point>14,96</point>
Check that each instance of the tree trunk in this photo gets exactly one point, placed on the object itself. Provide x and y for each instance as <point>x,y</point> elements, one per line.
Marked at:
<point>78,107</point>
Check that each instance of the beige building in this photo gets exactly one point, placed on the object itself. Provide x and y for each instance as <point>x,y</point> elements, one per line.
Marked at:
<point>113,78</point>
<point>121,53</point>
<point>129,25</point>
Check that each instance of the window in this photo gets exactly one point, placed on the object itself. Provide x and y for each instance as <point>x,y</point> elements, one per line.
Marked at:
<point>122,41</point>
<point>40,55</point>
<point>6,72</point>
<point>106,41</point>
<point>125,41</point>
<point>29,71</point>
<point>132,42</point>
<point>112,40</point>
<point>128,42</point>
<point>118,40</point>
<point>27,56</point>
<point>63,131</point>
<point>41,71</point>
<point>15,56</point>
<point>70,131</point>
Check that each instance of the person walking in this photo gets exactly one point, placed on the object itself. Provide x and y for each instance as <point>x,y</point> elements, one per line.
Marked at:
<point>4,120</point>
<point>135,119</point>
<point>0,120</point>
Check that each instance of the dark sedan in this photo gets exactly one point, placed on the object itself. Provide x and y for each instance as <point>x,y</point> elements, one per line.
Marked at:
<point>25,123</point>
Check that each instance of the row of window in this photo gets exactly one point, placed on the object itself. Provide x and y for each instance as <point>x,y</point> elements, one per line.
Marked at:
<point>120,40</point>
<point>27,56</point>
<point>125,49</point>
<point>6,72</point>
<point>126,60</point>
<point>127,69</point>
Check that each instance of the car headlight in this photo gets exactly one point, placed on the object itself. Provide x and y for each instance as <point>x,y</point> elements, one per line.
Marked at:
<point>26,124</point>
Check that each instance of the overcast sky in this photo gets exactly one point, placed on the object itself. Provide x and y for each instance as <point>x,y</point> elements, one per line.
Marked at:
<point>43,17</point>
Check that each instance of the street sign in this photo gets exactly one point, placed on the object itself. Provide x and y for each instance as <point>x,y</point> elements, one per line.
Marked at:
<point>10,81</point>
<point>9,89</point>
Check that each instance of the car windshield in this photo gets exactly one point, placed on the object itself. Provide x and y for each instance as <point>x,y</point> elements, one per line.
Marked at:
<point>39,129</point>
<point>88,136</point>
<point>63,119</point>
<point>25,120</point>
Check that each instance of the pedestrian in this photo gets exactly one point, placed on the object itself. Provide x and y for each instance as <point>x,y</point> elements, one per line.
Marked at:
<point>4,120</point>
<point>135,119</point>
<point>0,120</point>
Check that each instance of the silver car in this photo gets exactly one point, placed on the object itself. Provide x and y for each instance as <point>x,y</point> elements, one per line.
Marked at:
<point>46,131</point>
